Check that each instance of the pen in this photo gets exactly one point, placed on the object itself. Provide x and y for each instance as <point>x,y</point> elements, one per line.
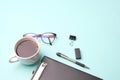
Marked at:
<point>74,61</point>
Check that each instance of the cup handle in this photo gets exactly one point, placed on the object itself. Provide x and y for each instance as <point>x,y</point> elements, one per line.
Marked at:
<point>13,59</point>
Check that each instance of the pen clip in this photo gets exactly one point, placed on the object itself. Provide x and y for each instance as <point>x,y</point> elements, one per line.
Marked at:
<point>64,55</point>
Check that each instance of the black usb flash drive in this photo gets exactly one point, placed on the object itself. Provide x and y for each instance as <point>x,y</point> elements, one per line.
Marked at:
<point>77,53</point>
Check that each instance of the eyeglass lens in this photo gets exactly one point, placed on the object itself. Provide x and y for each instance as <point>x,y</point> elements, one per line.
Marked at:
<point>48,38</point>
<point>31,35</point>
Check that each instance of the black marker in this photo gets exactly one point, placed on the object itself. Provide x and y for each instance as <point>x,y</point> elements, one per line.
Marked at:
<point>74,61</point>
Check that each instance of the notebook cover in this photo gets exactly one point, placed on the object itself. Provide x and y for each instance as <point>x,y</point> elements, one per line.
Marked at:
<point>58,71</point>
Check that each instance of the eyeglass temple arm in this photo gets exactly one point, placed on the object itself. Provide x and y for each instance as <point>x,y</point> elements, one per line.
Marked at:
<point>50,41</point>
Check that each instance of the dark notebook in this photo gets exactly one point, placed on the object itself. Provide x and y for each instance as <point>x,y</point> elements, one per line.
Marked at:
<point>50,69</point>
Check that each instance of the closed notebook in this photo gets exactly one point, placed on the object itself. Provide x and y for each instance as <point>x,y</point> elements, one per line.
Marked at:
<point>54,70</point>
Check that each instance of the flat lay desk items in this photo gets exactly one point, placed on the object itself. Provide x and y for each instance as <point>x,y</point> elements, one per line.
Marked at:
<point>27,51</point>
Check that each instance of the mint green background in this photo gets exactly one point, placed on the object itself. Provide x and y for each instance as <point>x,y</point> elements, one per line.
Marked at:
<point>96,23</point>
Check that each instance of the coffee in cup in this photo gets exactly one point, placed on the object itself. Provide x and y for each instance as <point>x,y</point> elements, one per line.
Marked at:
<point>26,51</point>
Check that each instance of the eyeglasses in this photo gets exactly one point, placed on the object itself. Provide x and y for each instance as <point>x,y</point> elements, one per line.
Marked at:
<point>47,37</point>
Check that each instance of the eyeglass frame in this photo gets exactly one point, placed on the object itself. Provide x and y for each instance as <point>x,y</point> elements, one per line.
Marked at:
<point>39,36</point>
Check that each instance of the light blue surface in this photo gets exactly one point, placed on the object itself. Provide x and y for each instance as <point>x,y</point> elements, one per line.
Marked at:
<point>96,23</point>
